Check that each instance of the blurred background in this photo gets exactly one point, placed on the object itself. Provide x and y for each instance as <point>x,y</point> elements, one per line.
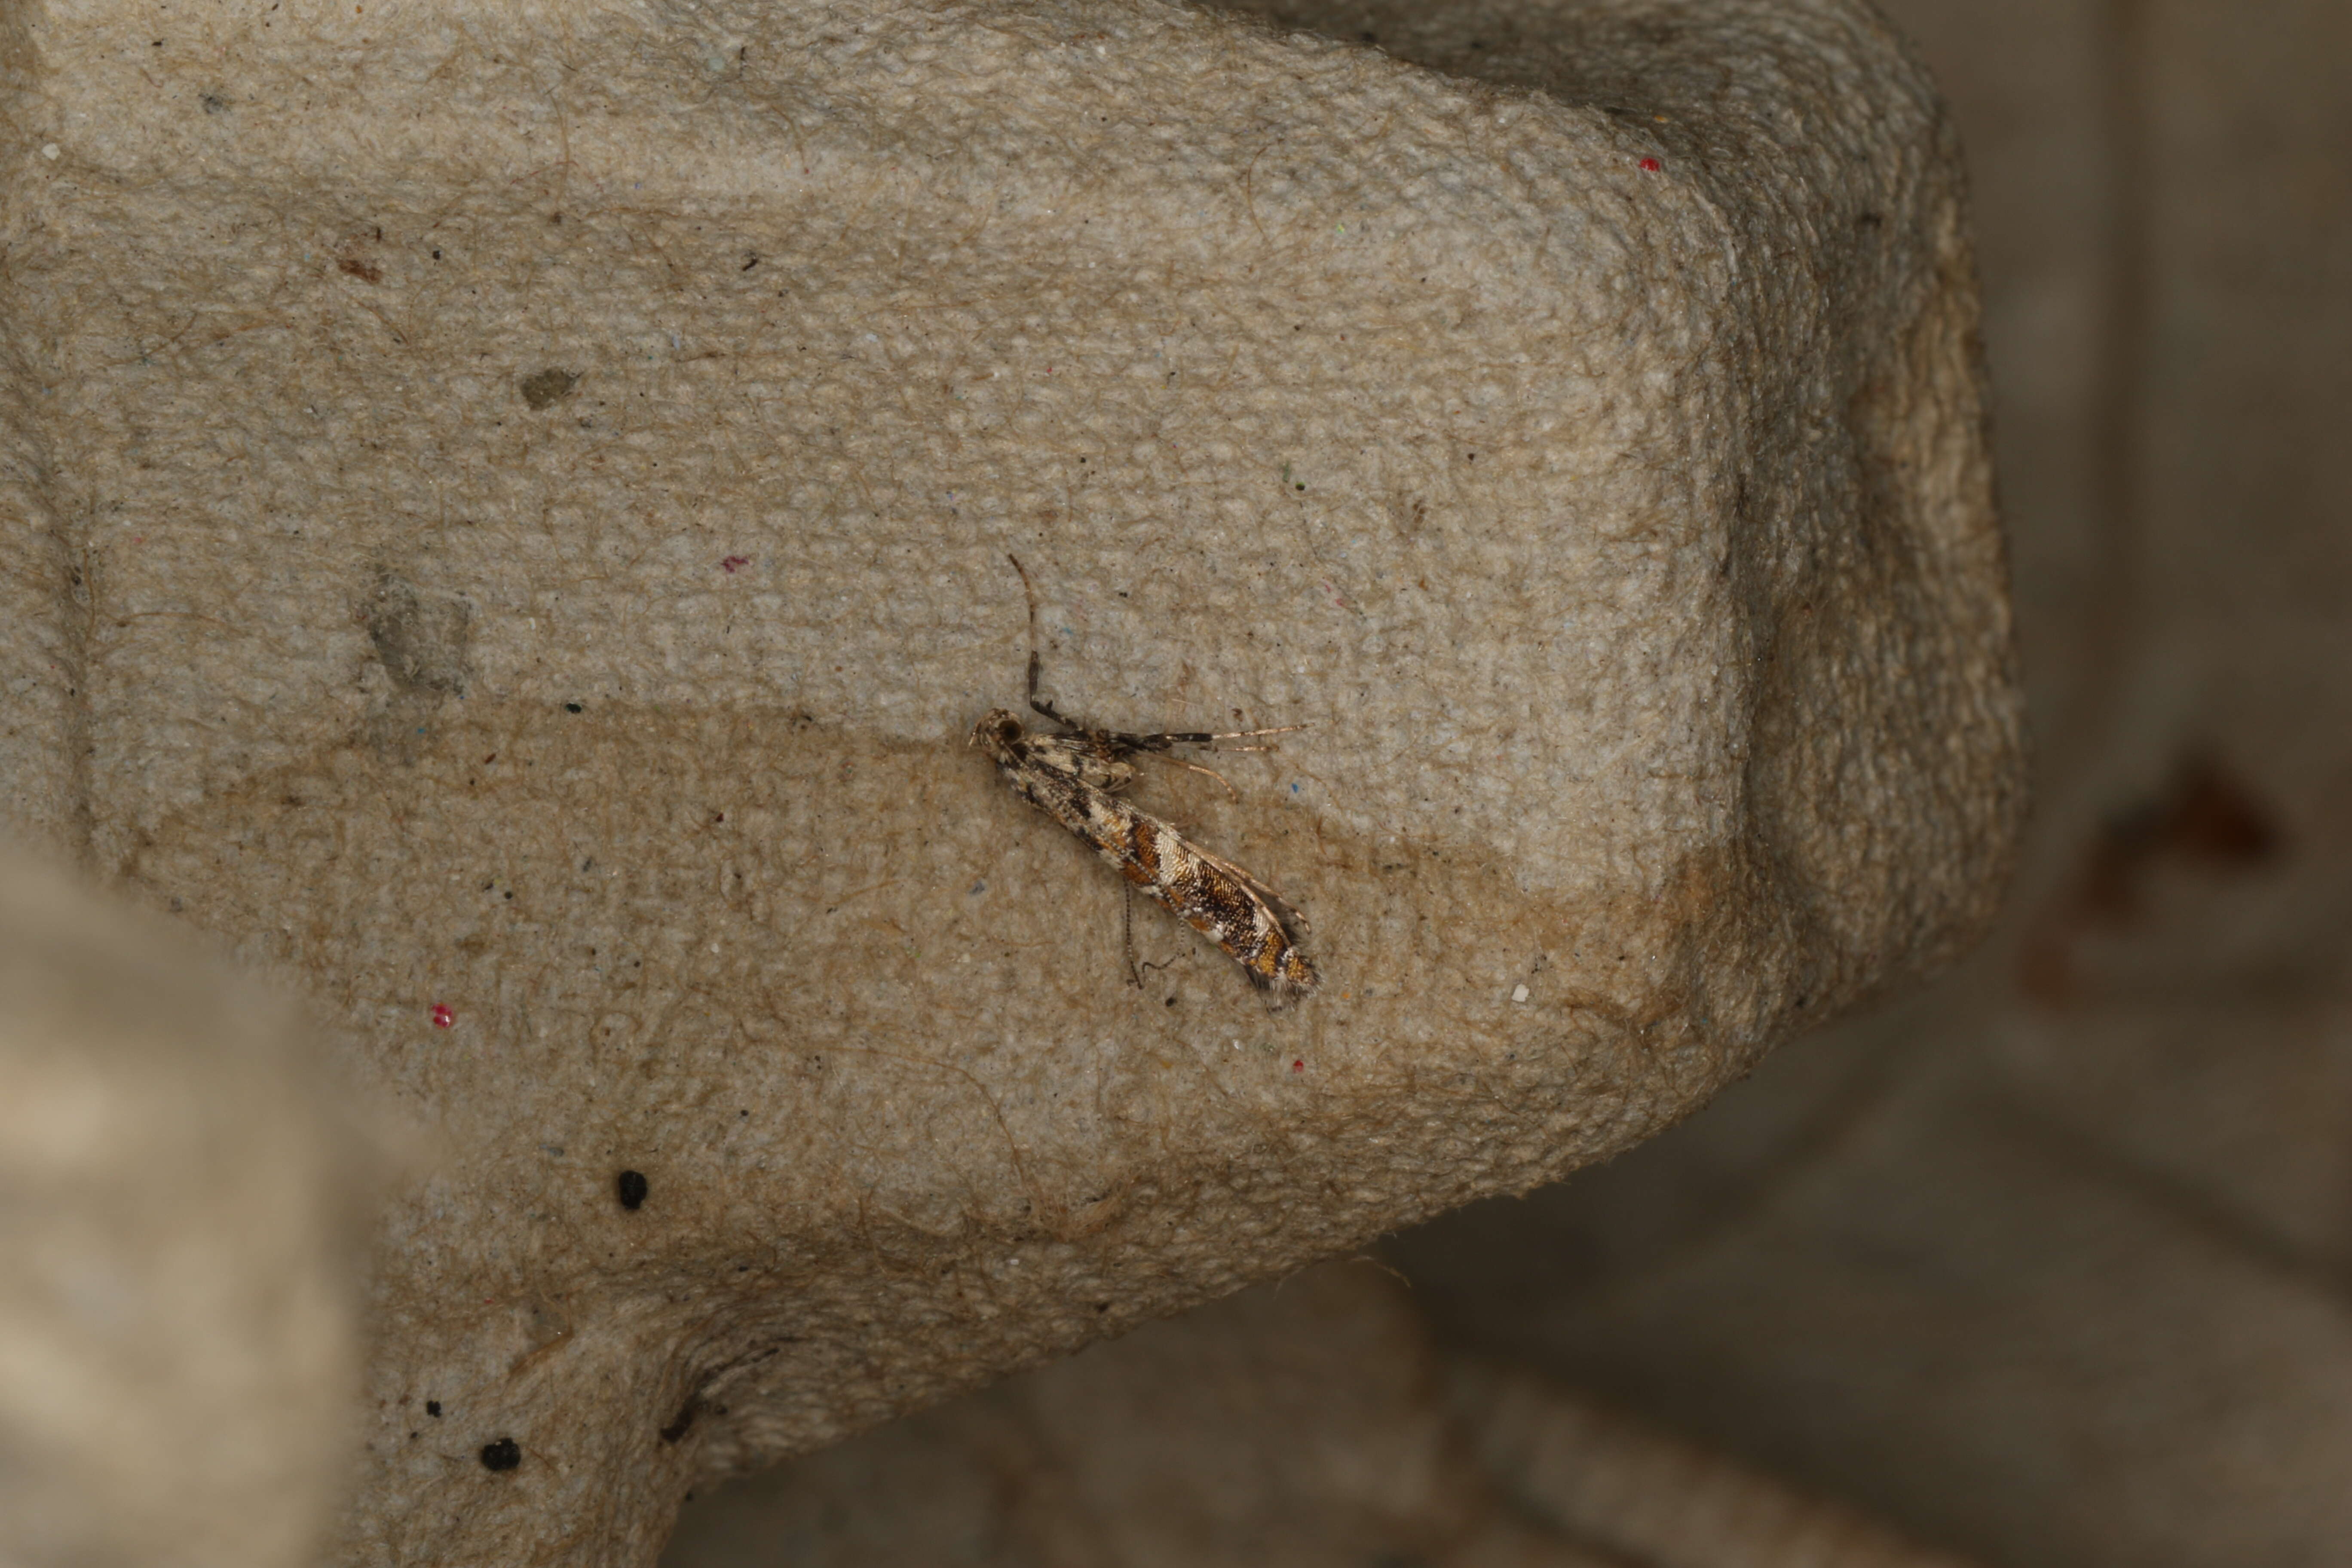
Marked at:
<point>2051,1263</point>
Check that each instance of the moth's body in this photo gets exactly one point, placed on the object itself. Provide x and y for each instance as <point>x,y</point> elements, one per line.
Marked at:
<point>1074,777</point>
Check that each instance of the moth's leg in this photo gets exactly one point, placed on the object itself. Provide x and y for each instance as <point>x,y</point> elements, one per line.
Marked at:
<point>1161,741</point>
<point>1161,745</point>
<point>1040,704</point>
<point>1127,932</point>
<point>1136,969</point>
<point>1044,704</point>
<point>1029,591</point>
<point>1212,773</point>
<point>1037,662</point>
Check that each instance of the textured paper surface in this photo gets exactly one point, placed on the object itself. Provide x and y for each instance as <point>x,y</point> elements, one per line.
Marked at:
<point>515,541</point>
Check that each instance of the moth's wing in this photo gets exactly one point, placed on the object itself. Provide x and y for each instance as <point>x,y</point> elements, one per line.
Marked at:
<point>1087,755</point>
<point>1278,991</point>
<point>1285,913</point>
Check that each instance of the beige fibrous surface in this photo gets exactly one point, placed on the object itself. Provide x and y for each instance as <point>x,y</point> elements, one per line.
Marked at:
<point>178,1344</point>
<point>513,507</point>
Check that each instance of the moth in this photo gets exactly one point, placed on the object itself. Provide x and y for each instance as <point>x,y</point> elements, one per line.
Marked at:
<point>1076,774</point>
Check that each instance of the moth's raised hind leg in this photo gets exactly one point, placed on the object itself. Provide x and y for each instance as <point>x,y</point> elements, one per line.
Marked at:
<point>1036,663</point>
<point>1044,705</point>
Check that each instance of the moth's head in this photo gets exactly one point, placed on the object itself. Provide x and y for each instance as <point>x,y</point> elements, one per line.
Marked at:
<point>997,734</point>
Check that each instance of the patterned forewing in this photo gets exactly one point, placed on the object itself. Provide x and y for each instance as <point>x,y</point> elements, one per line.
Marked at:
<point>1213,896</point>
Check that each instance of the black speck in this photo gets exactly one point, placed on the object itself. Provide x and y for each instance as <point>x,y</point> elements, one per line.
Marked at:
<point>213,103</point>
<point>1102,1306</point>
<point>632,1186</point>
<point>682,1422</point>
<point>1369,36</point>
<point>571,708</point>
<point>754,261</point>
<point>432,1407</point>
<point>501,1454</point>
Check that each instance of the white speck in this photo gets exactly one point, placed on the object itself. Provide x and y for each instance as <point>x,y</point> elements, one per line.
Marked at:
<point>1519,993</point>
<point>48,150</point>
<point>1237,1045</point>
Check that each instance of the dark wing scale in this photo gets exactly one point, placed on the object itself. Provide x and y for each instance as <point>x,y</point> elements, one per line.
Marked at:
<point>1288,924</point>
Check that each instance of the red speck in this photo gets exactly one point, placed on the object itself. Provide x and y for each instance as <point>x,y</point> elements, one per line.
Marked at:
<point>442,1017</point>
<point>734,564</point>
<point>1298,1067</point>
<point>1650,165</point>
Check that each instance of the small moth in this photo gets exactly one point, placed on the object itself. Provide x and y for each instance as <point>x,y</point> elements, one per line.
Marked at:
<point>1075,774</point>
